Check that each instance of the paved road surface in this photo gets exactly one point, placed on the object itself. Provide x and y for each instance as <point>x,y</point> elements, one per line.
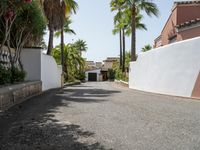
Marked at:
<point>101,116</point>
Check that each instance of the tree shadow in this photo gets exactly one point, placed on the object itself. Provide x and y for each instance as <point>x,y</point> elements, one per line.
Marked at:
<point>85,94</point>
<point>33,125</point>
<point>31,135</point>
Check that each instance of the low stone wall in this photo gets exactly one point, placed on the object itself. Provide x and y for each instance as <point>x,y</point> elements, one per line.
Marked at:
<point>15,94</point>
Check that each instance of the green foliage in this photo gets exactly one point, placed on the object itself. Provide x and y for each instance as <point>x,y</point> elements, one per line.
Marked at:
<point>146,48</point>
<point>128,17</point>
<point>56,16</point>
<point>21,24</point>
<point>18,75</point>
<point>8,76</point>
<point>73,62</point>
<point>111,74</point>
<point>31,24</point>
<point>66,28</point>
<point>81,45</point>
<point>5,75</point>
<point>81,76</point>
<point>119,75</point>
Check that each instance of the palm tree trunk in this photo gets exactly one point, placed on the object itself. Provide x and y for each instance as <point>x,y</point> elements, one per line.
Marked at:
<point>62,50</point>
<point>50,45</point>
<point>124,50</point>
<point>120,37</point>
<point>133,38</point>
<point>64,67</point>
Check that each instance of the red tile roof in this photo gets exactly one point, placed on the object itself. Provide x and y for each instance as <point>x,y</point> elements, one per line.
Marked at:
<point>187,2</point>
<point>188,23</point>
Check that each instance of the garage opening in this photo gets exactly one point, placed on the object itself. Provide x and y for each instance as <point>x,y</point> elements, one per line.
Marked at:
<point>92,76</point>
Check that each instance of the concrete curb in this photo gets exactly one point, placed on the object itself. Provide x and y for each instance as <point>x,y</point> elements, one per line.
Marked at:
<point>172,96</point>
<point>72,83</point>
<point>122,83</point>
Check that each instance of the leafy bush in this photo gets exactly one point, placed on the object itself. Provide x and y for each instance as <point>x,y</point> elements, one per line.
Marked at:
<point>5,75</point>
<point>81,76</point>
<point>119,75</point>
<point>111,74</point>
<point>11,76</point>
<point>70,78</point>
<point>18,75</point>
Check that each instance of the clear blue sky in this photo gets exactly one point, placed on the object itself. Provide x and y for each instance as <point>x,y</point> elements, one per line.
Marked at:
<point>94,23</point>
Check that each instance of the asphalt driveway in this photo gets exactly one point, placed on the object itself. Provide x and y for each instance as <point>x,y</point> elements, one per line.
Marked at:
<point>101,116</point>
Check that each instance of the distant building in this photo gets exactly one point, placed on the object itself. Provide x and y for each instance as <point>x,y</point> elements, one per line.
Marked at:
<point>90,63</point>
<point>97,71</point>
<point>183,23</point>
<point>108,64</point>
<point>99,64</point>
<point>93,75</point>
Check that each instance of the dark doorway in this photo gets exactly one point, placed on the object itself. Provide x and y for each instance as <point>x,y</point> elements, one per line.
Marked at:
<point>92,76</point>
<point>104,74</point>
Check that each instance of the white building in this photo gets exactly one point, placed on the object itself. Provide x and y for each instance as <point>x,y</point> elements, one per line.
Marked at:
<point>93,75</point>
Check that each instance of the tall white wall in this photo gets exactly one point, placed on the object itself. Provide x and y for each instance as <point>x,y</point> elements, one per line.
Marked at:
<point>31,60</point>
<point>50,73</point>
<point>171,69</point>
<point>39,66</point>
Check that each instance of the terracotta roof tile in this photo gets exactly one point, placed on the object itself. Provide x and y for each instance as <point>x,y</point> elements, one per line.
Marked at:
<point>187,2</point>
<point>188,23</point>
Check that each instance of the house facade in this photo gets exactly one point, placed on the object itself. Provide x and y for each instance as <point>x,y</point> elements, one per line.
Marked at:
<point>183,23</point>
<point>108,64</point>
<point>97,71</point>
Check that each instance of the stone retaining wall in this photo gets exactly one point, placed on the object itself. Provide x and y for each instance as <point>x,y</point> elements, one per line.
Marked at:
<point>15,94</point>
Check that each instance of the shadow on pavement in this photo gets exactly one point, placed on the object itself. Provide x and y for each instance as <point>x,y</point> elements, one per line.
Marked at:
<point>32,124</point>
<point>85,95</point>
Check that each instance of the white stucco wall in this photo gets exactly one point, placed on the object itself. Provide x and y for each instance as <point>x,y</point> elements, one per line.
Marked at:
<point>39,66</point>
<point>171,69</point>
<point>31,60</point>
<point>98,71</point>
<point>50,73</point>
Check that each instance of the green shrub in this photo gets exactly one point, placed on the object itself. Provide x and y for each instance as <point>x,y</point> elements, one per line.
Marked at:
<point>18,75</point>
<point>70,78</point>
<point>11,76</point>
<point>111,74</point>
<point>5,75</point>
<point>119,75</point>
<point>81,76</point>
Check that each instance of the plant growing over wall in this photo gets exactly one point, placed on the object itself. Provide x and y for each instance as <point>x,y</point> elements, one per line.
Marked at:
<point>73,62</point>
<point>22,23</point>
<point>146,48</point>
<point>119,75</point>
<point>28,29</point>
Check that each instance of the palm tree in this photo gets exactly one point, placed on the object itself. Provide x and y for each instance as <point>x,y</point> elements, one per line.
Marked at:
<point>146,48</point>
<point>126,30</point>
<point>135,5</point>
<point>81,46</point>
<point>52,11</point>
<point>68,6</point>
<point>116,5</point>
<point>123,24</point>
<point>73,61</point>
<point>66,28</point>
<point>56,12</point>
